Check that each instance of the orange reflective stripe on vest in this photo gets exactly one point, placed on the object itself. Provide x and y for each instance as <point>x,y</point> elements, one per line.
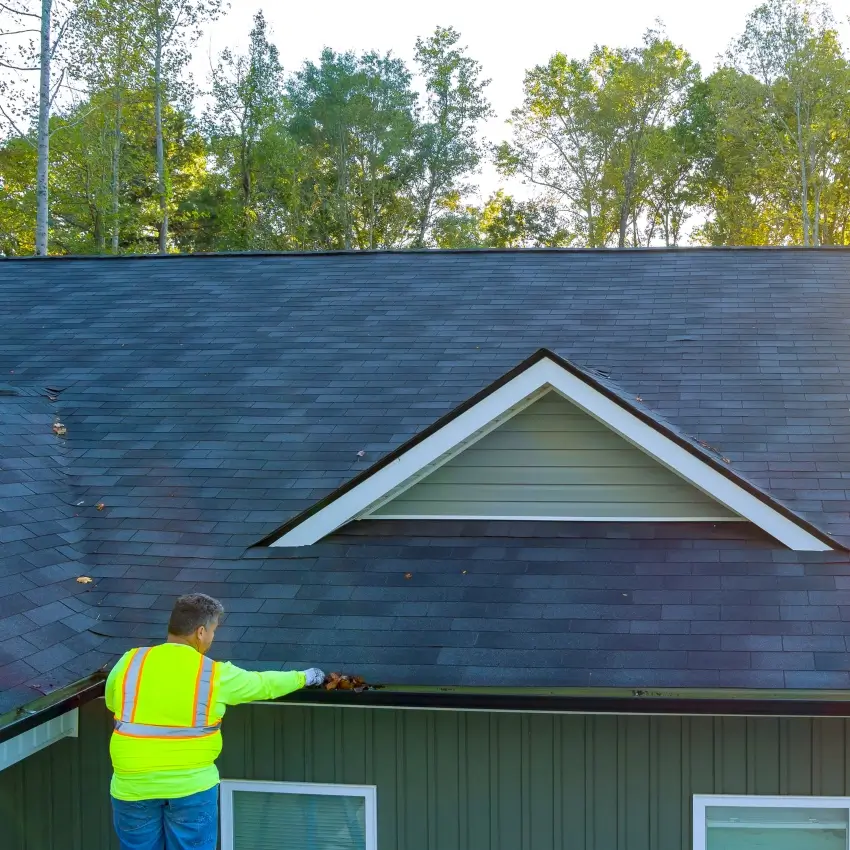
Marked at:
<point>131,686</point>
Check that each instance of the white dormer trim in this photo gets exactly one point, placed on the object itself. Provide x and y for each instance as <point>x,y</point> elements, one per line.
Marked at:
<point>505,401</point>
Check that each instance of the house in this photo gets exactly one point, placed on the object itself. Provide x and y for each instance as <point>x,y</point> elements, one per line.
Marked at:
<point>583,516</point>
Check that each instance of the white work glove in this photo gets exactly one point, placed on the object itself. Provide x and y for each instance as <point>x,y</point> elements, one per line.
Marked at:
<point>314,676</point>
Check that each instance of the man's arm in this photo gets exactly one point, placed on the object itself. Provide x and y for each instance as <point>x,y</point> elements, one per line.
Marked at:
<point>237,686</point>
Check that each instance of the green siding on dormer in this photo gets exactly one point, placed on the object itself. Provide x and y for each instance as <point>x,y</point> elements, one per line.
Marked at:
<point>554,460</point>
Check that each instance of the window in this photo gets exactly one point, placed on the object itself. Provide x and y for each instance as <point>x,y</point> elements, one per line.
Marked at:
<point>297,816</point>
<point>771,823</point>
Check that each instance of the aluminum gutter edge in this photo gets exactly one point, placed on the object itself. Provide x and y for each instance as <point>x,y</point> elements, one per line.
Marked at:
<point>46,708</point>
<point>631,702</point>
<point>532,700</point>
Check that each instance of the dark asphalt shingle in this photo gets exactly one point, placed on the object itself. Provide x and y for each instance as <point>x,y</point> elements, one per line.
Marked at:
<point>209,400</point>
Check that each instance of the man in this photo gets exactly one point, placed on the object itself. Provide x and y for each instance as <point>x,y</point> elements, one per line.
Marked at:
<point>168,701</point>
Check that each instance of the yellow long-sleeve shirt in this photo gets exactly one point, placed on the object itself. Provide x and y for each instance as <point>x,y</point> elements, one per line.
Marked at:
<point>235,686</point>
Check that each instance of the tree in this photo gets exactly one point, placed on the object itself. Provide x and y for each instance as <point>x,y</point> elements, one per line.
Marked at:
<point>791,48</point>
<point>502,222</point>
<point>358,115</point>
<point>647,91</point>
<point>563,138</point>
<point>109,59</point>
<point>169,27</point>
<point>587,130</point>
<point>247,94</point>
<point>449,148</point>
<point>53,22</point>
<point>81,183</point>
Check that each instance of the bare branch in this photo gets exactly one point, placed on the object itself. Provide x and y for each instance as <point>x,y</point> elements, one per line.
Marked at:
<point>18,32</point>
<point>15,127</point>
<point>58,87</point>
<point>78,120</point>
<point>60,35</point>
<point>19,12</point>
<point>16,67</point>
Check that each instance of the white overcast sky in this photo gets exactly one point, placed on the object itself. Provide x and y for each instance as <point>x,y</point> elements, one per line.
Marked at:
<point>507,38</point>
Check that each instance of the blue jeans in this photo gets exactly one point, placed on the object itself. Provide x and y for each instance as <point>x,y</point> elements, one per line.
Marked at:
<point>187,823</point>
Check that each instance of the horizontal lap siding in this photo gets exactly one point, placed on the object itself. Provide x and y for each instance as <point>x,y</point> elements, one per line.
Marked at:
<point>463,781</point>
<point>553,460</point>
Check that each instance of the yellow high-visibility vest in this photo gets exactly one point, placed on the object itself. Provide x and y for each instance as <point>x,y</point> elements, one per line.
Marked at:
<point>165,713</point>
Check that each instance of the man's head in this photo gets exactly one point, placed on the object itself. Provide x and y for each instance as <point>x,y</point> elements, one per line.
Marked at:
<point>194,620</point>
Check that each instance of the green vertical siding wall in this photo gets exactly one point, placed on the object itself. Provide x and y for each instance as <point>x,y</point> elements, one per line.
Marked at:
<point>463,781</point>
<point>553,460</point>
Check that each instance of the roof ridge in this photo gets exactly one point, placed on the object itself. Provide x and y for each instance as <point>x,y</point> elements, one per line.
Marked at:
<point>651,250</point>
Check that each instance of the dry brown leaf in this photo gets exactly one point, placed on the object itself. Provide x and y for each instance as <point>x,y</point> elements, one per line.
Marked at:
<point>408,575</point>
<point>100,506</point>
<point>59,429</point>
<point>84,579</point>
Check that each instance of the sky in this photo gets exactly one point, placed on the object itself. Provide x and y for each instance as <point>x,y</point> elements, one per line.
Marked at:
<point>506,38</point>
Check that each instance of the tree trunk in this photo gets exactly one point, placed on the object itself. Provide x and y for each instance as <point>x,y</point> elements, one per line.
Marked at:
<point>816,239</point>
<point>160,146</point>
<point>116,151</point>
<point>625,207</point>
<point>247,192</point>
<point>804,178</point>
<point>99,233</point>
<point>116,177</point>
<point>343,190</point>
<point>425,215</point>
<point>43,169</point>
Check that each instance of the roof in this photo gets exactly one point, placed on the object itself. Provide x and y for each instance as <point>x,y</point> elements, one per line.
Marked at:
<point>209,400</point>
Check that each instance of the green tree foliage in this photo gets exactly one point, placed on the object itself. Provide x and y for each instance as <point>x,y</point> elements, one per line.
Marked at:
<point>247,103</point>
<point>782,112</point>
<point>598,136</point>
<point>81,179</point>
<point>627,146</point>
<point>449,148</point>
<point>359,114</point>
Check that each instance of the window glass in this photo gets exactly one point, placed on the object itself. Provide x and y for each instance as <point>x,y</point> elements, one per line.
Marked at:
<point>769,828</point>
<point>265,820</point>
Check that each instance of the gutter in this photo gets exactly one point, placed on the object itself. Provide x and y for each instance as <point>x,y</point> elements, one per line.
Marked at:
<point>718,703</point>
<point>591,701</point>
<point>53,705</point>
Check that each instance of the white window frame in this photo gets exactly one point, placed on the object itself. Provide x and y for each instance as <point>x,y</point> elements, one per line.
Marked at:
<point>368,792</point>
<point>505,401</point>
<point>703,801</point>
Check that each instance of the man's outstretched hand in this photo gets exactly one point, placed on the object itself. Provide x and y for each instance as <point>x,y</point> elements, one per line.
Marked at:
<point>314,676</point>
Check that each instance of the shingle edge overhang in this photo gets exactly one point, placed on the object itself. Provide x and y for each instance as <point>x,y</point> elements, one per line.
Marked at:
<point>717,703</point>
<point>812,537</point>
